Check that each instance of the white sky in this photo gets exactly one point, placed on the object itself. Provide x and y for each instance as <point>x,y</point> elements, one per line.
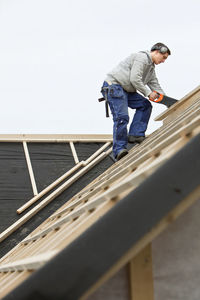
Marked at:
<point>54,56</point>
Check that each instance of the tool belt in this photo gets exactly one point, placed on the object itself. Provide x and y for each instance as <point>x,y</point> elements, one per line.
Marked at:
<point>105,90</point>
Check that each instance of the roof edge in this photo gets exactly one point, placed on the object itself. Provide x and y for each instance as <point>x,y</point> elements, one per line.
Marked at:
<point>56,138</point>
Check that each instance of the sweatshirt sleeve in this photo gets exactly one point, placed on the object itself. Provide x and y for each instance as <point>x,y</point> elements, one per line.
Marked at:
<point>154,85</point>
<point>136,74</point>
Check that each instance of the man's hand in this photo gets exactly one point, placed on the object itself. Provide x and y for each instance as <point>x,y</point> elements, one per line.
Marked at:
<point>153,96</point>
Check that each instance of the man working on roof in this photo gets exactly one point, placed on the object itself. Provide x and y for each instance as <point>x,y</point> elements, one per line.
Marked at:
<point>121,86</point>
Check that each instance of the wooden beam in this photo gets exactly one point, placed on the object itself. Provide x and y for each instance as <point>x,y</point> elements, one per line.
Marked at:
<point>74,152</point>
<point>56,138</point>
<point>15,279</point>
<point>141,275</point>
<point>30,169</point>
<point>28,263</point>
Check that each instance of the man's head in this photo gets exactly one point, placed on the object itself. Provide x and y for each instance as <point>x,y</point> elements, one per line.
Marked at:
<point>159,53</point>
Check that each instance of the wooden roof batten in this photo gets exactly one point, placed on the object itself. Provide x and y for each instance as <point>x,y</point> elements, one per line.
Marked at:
<point>101,198</point>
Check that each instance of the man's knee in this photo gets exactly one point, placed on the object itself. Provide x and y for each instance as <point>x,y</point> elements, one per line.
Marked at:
<point>121,128</point>
<point>122,119</point>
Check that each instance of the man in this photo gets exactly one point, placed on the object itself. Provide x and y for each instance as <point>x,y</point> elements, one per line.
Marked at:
<point>120,88</point>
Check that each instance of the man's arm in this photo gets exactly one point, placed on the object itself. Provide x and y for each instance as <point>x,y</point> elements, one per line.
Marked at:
<point>154,85</point>
<point>137,71</point>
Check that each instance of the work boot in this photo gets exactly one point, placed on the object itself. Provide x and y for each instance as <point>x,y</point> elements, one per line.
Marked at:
<point>135,139</point>
<point>121,154</point>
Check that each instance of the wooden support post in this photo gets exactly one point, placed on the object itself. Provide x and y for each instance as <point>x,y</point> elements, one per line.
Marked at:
<point>141,275</point>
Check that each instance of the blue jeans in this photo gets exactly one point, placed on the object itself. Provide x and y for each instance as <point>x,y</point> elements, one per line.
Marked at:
<point>119,100</point>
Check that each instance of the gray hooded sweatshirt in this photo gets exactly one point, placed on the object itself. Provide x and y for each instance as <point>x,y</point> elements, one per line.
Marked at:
<point>135,72</point>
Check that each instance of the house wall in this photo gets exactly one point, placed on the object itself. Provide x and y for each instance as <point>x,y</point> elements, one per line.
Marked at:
<point>116,288</point>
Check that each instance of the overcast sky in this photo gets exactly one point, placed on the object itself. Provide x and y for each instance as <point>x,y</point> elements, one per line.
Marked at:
<point>54,56</point>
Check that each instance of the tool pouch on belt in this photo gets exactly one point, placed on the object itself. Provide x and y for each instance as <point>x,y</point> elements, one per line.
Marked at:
<point>114,90</point>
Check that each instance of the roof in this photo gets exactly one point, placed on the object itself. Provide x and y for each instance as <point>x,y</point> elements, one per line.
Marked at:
<point>110,220</point>
<point>34,167</point>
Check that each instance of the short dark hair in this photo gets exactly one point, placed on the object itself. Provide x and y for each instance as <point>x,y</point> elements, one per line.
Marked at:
<point>161,47</point>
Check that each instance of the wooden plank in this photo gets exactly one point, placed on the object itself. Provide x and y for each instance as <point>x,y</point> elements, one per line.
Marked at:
<point>17,140</point>
<point>30,263</point>
<point>21,251</point>
<point>173,115</point>
<point>74,152</point>
<point>5,278</point>
<point>15,279</point>
<point>48,243</point>
<point>52,196</point>
<point>30,169</point>
<point>56,138</point>
<point>148,238</point>
<point>181,114</point>
<point>180,104</point>
<point>141,275</point>
<point>52,240</point>
<point>85,223</point>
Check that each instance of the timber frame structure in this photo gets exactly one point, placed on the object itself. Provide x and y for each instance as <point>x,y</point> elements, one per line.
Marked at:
<point>112,221</point>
